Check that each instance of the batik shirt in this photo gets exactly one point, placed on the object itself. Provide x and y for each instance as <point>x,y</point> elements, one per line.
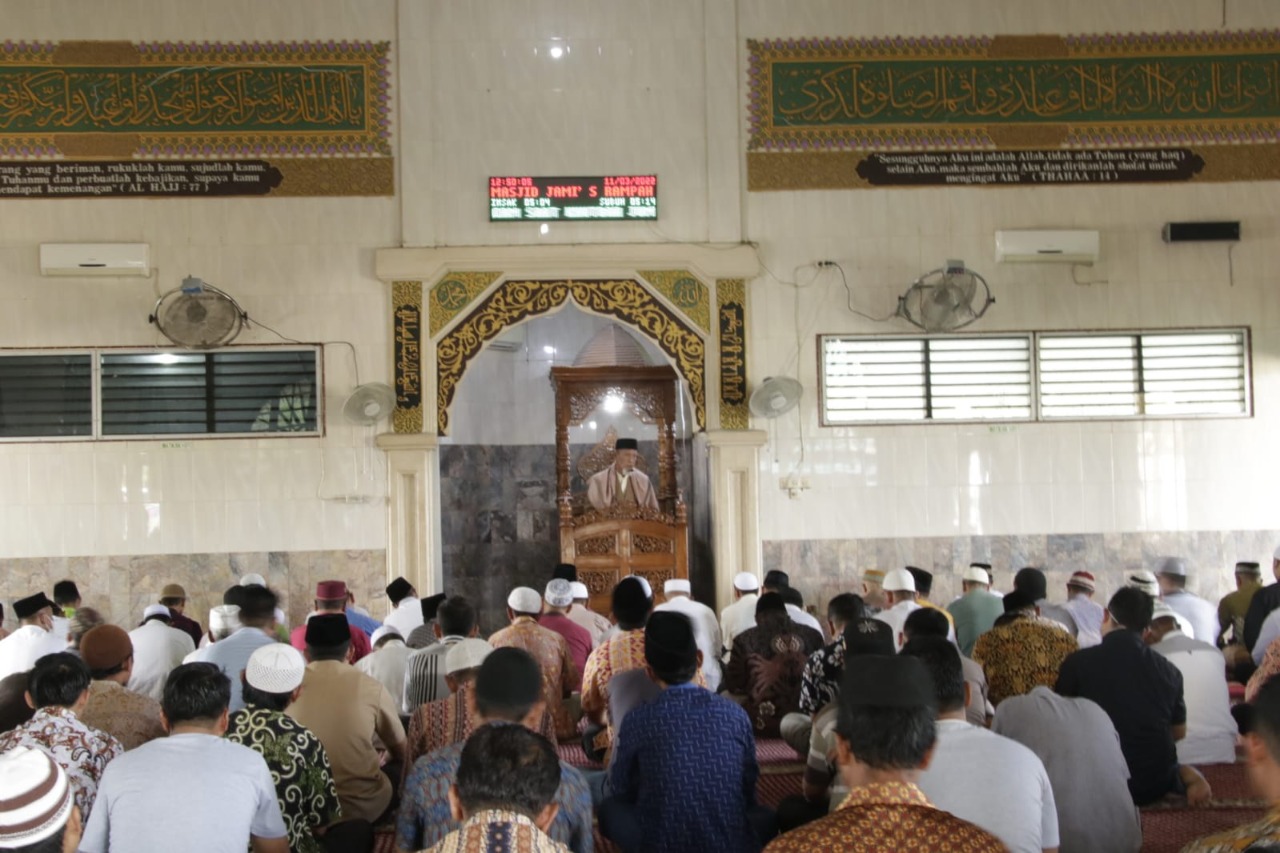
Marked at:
<point>495,831</point>
<point>888,817</point>
<point>425,819</point>
<point>439,723</point>
<point>131,718</point>
<point>79,750</point>
<point>1022,655</point>
<point>820,682</point>
<point>766,665</point>
<point>560,675</point>
<point>1265,831</point>
<point>299,768</point>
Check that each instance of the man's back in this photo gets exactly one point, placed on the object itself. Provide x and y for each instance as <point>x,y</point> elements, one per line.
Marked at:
<point>575,636</point>
<point>1020,655</point>
<point>767,666</point>
<point>231,655</point>
<point>1195,611</point>
<point>706,632</point>
<point>738,617</point>
<point>1142,694</point>
<point>1211,730</point>
<point>386,665</point>
<point>1260,606</point>
<point>424,676</point>
<point>973,614</point>
<point>157,650</point>
<point>992,782</point>
<point>217,791</point>
<point>688,761</point>
<point>549,649</point>
<point>345,708</point>
<point>131,718</point>
<point>1080,750</point>
<point>1087,614</point>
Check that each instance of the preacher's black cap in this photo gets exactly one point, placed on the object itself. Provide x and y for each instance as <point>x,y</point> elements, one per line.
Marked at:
<point>325,630</point>
<point>626,444</point>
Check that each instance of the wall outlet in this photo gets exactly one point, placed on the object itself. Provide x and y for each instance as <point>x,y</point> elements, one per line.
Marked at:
<point>794,485</point>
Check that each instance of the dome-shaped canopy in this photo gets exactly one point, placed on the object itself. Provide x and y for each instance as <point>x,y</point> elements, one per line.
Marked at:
<point>612,346</point>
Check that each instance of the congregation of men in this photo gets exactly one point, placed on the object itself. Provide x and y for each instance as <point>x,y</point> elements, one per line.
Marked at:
<point>991,723</point>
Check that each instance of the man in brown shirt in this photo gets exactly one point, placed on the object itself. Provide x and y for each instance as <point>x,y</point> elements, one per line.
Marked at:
<point>767,663</point>
<point>346,709</point>
<point>1024,652</point>
<point>560,676</point>
<point>132,718</point>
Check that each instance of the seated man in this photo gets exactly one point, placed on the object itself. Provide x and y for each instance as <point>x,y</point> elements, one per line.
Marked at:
<point>452,718</point>
<point>424,677</point>
<point>58,687</point>
<point>1025,651</point>
<point>386,663</point>
<point>406,613</point>
<point>424,635</point>
<point>1078,745</point>
<point>741,614</point>
<point>38,813</point>
<point>620,653</point>
<point>130,717</point>
<point>767,663</point>
<point>220,793</point>
<point>900,601</point>
<point>581,614</point>
<point>988,780</point>
<point>558,600</point>
<point>346,710</point>
<point>1086,612</point>
<point>684,770</point>
<point>1142,694</point>
<point>174,597</point>
<point>504,795</point>
<point>331,598</point>
<point>974,612</point>
<point>84,620</point>
<point>298,763</point>
<point>157,649</point>
<point>257,618</point>
<point>1211,730</point>
<point>560,678</point>
<point>34,637</point>
<point>508,693</point>
<point>927,622</point>
<point>621,486</point>
<point>885,735</point>
<point>820,681</point>
<point>1262,763</point>
<point>706,627</point>
<point>224,620</point>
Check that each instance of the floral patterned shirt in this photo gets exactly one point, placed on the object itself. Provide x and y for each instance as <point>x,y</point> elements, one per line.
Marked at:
<point>132,718</point>
<point>81,751</point>
<point>888,817</point>
<point>1022,655</point>
<point>1264,831</point>
<point>496,831</point>
<point>560,675</point>
<point>299,768</point>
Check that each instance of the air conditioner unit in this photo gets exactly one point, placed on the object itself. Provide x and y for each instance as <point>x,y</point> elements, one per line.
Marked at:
<point>95,259</point>
<point>1046,247</point>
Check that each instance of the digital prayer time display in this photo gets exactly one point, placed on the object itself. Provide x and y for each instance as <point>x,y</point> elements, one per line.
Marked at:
<point>522,199</point>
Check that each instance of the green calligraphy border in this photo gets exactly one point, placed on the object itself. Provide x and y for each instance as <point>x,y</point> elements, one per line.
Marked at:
<point>112,99</point>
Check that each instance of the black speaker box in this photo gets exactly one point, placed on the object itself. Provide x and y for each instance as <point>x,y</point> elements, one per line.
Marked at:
<point>1189,232</point>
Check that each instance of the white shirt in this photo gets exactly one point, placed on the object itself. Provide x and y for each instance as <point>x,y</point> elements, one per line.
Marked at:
<point>157,650</point>
<point>1196,612</point>
<point>994,782</point>
<point>895,617</point>
<point>1088,615</point>
<point>406,617</point>
<point>20,650</point>
<point>1269,632</point>
<point>706,632</point>
<point>801,617</point>
<point>595,624</point>
<point>58,640</point>
<point>1211,730</point>
<point>738,617</point>
<point>386,666</point>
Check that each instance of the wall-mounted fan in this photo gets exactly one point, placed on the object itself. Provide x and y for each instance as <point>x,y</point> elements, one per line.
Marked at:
<point>198,315</point>
<point>946,299</point>
<point>369,403</point>
<point>776,396</point>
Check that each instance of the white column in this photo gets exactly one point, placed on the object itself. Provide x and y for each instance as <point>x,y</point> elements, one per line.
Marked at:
<point>413,513</point>
<point>734,457</point>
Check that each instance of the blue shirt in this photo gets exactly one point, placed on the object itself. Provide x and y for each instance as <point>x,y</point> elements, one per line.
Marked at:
<point>424,817</point>
<point>687,760</point>
<point>365,623</point>
<point>232,656</point>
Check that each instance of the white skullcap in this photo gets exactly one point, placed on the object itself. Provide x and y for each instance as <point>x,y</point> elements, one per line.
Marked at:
<point>253,579</point>
<point>973,574</point>
<point>1145,581</point>
<point>1161,611</point>
<point>524,600</point>
<point>644,585</point>
<point>579,590</point>
<point>1173,566</point>
<point>382,631</point>
<point>35,798</point>
<point>899,580</point>
<point>275,668</point>
<point>224,617</point>
<point>559,593</point>
<point>156,610</point>
<point>677,585</point>
<point>468,654</point>
<point>746,582</point>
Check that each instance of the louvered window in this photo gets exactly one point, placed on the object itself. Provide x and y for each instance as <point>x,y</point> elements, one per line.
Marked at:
<point>46,395</point>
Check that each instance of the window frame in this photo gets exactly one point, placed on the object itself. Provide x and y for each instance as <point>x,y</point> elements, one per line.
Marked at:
<point>95,355</point>
<point>1034,337</point>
